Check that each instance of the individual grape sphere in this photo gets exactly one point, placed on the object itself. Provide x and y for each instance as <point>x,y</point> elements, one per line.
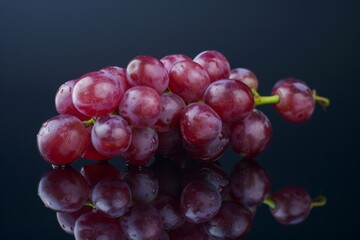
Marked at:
<point>169,118</point>
<point>96,94</point>
<point>246,76</point>
<point>118,74</point>
<point>143,183</point>
<point>63,189</point>
<point>90,152</point>
<point>67,219</point>
<point>189,80</point>
<point>142,148</point>
<point>170,60</point>
<point>232,100</point>
<point>233,221</point>
<point>94,226</point>
<point>140,106</point>
<point>210,173</point>
<point>199,201</point>
<point>296,101</point>
<point>169,211</point>
<point>111,135</point>
<point>147,71</point>
<point>62,139</point>
<point>209,152</point>
<point>199,124</point>
<point>63,101</point>
<point>250,184</point>
<point>112,196</point>
<point>215,64</point>
<point>142,222</point>
<point>292,205</point>
<point>250,136</point>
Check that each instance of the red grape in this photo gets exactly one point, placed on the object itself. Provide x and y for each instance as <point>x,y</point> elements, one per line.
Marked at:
<point>250,136</point>
<point>232,100</point>
<point>64,103</point>
<point>296,101</point>
<point>170,60</point>
<point>169,211</point>
<point>215,64</point>
<point>189,80</point>
<point>246,76</point>
<point>200,124</point>
<point>147,71</point>
<point>111,136</point>
<point>140,106</point>
<point>67,219</point>
<point>62,139</point>
<point>96,94</point>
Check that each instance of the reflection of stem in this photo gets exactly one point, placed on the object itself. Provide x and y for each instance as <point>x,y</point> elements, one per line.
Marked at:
<point>90,204</point>
<point>270,202</point>
<point>319,201</point>
<point>323,101</point>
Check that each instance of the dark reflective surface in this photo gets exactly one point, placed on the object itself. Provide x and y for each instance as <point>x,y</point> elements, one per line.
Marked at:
<point>44,44</point>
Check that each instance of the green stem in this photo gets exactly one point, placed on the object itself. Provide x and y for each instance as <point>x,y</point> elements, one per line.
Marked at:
<point>270,202</point>
<point>319,201</point>
<point>89,122</point>
<point>254,92</point>
<point>261,100</point>
<point>323,101</point>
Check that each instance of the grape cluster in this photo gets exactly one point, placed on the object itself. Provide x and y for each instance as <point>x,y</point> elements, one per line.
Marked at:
<point>185,112</point>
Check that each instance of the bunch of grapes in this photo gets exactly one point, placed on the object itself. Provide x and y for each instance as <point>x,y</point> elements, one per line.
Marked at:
<point>170,120</point>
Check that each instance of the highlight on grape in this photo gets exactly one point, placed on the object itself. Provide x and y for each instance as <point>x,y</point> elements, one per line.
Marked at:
<point>170,120</point>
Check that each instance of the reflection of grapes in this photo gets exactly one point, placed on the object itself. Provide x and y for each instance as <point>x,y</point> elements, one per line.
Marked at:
<point>185,112</point>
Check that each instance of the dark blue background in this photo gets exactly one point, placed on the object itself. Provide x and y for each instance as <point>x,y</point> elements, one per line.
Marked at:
<point>45,43</point>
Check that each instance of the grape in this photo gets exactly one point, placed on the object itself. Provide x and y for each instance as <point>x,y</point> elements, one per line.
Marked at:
<point>215,64</point>
<point>119,76</point>
<point>250,136</point>
<point>67,219</point>
<point>296,102</point>
<point>111,136</point>
<point>210,173</point>
<point>142,148</point>
<point>169,118</point>
<point>232,100</point>
<point>233,221</point>
<point>199,124</point>
<point>96,94</point>
<point>292,205</point>
<point>169,211</point>
<point>246,76</point>
<point>147,71</point>
<point>143,184</point>
<point>112,196</point>
<point>94,226</point>
<point>209,152</point>
<point>94,173</point>
<point>62,139</point>
<point>63,189</point>
<point>249,183</point>
<point>90,152</point>
<point>189,80</point>
<point>199,201</point>
<point>142,222</point>
<point>63,101</point>
<point>170,60</point>
<point>140,106</point>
